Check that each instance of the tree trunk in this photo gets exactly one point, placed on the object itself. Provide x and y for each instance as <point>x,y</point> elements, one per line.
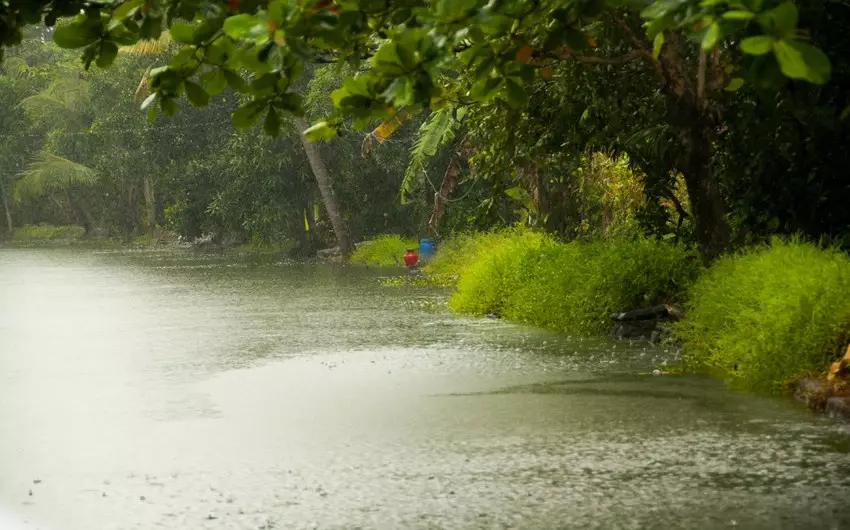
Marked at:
<point>442,197</point>
<point>694,123</point>
<point>712,231</point>
<point>320,171</point>
<point>150,206</point>
<point>10,228</point>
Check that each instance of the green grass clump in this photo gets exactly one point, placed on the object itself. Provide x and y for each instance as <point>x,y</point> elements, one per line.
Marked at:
<point>386,250</point>
<point>573,287</point>
<point>46,232</point>
<point>764,316</point>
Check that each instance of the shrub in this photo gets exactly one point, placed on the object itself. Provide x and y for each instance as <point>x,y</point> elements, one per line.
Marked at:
<point>570,287</point>
<point>386,250</point>
<point>462,251</point>
<point>766,315</point>
<point>46,232</point>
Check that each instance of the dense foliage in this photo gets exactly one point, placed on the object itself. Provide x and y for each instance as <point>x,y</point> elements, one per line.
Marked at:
<point>385,250</point>
<point>769,314</point>
<point>574,287</point>
<point>656,79</point>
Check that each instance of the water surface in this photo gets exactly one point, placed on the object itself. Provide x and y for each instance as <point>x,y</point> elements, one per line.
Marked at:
<point>144,390</point>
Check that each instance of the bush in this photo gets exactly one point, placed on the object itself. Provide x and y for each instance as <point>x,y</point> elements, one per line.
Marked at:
<point>386,250</point>
<point>462,251</point>
<point>771,313</point>
<point>46,232</point>
<point>571,287</point>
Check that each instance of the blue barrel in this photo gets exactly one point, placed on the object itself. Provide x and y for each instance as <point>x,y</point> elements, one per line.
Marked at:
<point>427,248</point>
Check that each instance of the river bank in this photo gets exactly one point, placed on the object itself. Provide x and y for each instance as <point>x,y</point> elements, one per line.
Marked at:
<point>762,319</point>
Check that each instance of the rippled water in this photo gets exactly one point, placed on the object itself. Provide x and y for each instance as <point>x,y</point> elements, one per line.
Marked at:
<point>160,390</point>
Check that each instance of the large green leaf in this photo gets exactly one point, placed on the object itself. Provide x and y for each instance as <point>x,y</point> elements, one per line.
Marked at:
<point>784,18</point>
<point>241,26</point>
<point>757,45</point>
<point>196,94</point>
<point>271,125</point>
<point>108,53</point>
<point>515,93</point>
<point>182,32</point>
<point>485,89</point>
<point>320,131</point>
<point>214,81</point>
<point>74,35</point>
<point>800,60</point>
<point>246,117</point>
<point>709,40</point>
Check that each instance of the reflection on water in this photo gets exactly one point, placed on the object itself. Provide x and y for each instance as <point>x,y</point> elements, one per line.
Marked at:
<point>163,390</point>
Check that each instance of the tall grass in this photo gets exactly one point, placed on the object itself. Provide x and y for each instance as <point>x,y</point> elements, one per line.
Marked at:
<point>46,232</point>
<point>572,287</point>
<point>386,250</point>
<point>766,315</point>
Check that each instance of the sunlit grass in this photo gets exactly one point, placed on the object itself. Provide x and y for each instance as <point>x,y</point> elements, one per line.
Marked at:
<point>769,314</point>
<point>386,250</point>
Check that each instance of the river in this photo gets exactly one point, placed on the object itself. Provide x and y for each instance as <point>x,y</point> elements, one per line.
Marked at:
<point>146,390</point>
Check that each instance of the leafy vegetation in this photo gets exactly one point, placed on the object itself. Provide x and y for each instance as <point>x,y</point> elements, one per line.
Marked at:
<point>768,314</point>
<point>573,287</point>
<point>46,232</point>
<point>684,57</point>
<point>385,250</point>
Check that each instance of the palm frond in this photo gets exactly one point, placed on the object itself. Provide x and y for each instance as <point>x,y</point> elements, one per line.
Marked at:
<point>49,172</point>
<point>149,46</point>
<point>438,130</point>
<point>66,96</point>
<point>15,66</point>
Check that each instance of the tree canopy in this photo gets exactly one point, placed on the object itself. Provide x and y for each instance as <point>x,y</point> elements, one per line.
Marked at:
<point>517,93</point>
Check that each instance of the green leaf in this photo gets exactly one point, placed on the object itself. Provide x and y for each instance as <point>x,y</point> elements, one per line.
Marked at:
<point>74,35</point>
<point>169,106</point>
<point>784,18</point>
<point>801,60</point>
<point>757,45</point>
<point>122,11</point>
<point>119,34</point>
<point>516,94</point>
<point>182,32</point>
<point>148,101</point>
<point>108,53</point>
<point>734,84</point>
<point>657,45</point>
<point>206,30</point>
<point>214,81</point>
<point>235,81</point>
<point>246,116</point>
<point>845,113</point>
<point>241,26</point>
<point>271,125</point>
<point>387,60</point>
<point>485,89</point>
<point>320,131</point>
<point>711,36</point>
<point>739,15</point>
<point>196,94</point>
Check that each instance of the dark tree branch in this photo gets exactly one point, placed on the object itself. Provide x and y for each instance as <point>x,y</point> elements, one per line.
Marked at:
<point>593,59</point>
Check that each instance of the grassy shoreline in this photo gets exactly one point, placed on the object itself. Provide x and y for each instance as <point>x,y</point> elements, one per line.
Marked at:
<point>760,318</point>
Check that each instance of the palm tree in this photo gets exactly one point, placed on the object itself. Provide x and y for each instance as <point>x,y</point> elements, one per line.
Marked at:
<point>55,176</point>
<point>323,179</point>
